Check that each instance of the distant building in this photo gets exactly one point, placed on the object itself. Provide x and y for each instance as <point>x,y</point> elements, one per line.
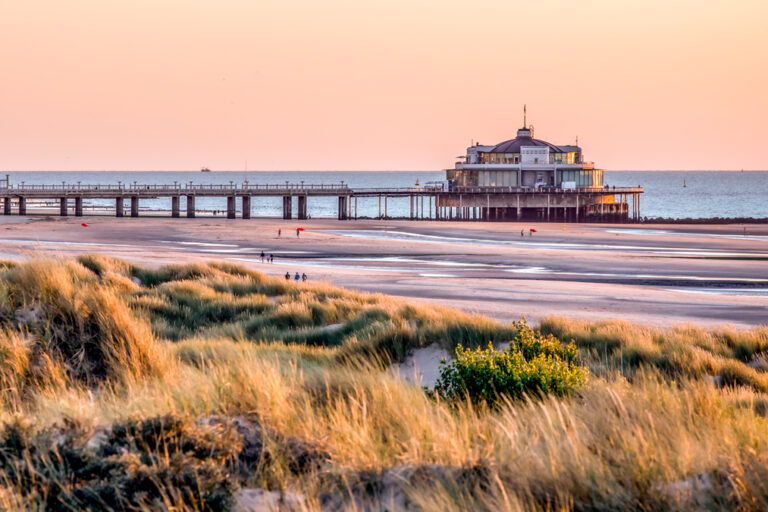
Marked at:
<point>525,162</point>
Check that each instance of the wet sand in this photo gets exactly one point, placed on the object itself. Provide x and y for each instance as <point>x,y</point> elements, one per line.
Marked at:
<point>660,275</point>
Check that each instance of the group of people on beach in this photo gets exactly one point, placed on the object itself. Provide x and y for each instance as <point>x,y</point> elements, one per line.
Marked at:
<point>303,277</point>
<point>270,258</point>
<point>280,232</point>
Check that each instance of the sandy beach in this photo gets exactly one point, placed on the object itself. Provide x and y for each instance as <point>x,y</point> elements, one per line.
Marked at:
<point>658,275</point>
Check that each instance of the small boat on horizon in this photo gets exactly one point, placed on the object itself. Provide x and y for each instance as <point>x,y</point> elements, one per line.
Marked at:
<point>205,169</point>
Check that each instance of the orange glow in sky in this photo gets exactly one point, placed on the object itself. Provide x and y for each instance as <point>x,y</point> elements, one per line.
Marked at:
<point>381,84</point>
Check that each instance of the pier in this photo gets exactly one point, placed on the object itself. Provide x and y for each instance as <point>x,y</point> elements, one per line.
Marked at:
<point>584,204</point>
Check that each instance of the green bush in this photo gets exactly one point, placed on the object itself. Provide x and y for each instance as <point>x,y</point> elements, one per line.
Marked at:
<point>533,365</point>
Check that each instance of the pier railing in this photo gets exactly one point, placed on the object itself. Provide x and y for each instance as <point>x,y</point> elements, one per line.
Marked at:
<point>176,188</point>
<point>245,188</point>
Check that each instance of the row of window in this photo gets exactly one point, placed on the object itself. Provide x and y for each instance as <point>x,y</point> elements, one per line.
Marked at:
<point>587,178</point>
<point>497,179</point>
<point>514,158</point>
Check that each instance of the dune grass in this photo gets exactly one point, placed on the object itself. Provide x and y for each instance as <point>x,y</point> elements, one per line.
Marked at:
<point>176,388</point>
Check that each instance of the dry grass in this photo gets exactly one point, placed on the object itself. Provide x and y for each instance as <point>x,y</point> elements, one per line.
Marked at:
<point>726,355</point>
<point>329,428</point>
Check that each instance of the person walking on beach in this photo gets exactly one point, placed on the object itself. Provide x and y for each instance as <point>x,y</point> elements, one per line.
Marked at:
<point>298,232</point>
<point>304,277</point>
<point>522,233</point>
<point>287,276</point>
<point>271,258</point>
<point>530,232</point>
<point>296,277</point>
<point>262,256</point>
<point>279,233</point>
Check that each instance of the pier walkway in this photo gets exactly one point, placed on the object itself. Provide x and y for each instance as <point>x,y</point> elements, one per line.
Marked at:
<point>426,202</point>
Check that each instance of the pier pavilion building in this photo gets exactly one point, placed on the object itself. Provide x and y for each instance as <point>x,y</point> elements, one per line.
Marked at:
<point>529,178</point>
<point>525,162</point>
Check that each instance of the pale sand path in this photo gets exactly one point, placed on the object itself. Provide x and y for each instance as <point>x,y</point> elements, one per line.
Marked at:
<point>658,275</point>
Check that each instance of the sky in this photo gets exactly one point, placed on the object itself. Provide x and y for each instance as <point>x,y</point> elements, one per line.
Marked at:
<point>379,84</point>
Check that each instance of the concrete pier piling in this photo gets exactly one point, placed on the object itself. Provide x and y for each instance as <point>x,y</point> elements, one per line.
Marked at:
<point>287,207</point>
<point>190,207</point>
<point>7,206</point>
<point>134,206</point>
<point>78,207</point>
<point>246,207</point>
<point>175,207</point>
<point>119,207</point>
<point>231,211</point>
<point>342,213</point>
<point>302,207</point>
<point>63,206</point>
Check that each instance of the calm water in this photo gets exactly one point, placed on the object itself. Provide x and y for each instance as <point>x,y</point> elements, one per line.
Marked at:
<point>707,194</point>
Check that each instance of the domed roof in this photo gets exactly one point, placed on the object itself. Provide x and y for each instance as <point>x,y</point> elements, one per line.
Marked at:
<point>523,139</point>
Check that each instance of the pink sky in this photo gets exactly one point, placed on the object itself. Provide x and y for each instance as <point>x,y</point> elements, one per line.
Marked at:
<point>382,84</point>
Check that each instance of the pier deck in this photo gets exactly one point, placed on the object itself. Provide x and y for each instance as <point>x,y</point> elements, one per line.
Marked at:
<point>426,202</point>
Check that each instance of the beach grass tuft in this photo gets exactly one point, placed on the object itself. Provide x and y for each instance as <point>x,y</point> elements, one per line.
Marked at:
<point>213,387</point>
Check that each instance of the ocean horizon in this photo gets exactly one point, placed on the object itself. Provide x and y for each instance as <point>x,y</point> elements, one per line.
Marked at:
<point>668,194</point>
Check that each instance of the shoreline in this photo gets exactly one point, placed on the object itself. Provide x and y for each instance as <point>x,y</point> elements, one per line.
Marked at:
<point>54,212</point>
<point>701,274</point>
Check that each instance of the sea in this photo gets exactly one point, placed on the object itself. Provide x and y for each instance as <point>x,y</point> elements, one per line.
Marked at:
<point>668,194</point>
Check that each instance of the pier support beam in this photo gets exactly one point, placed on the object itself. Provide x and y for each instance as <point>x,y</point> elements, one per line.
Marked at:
<point>302,207</point>
<point>519,210</point>
<point>175,207</point>
<point>7,206</point>
<point>577,208</point>
<point>78,207</point>
<point>190,207</point>
<point>231,211</point>
<point>118,207</point>
<point>246,207</point>
<point>63,206</point>
<point>134,206</point>
<point>22,205</point>
<point>342,207</point>
<point>287,207</point>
